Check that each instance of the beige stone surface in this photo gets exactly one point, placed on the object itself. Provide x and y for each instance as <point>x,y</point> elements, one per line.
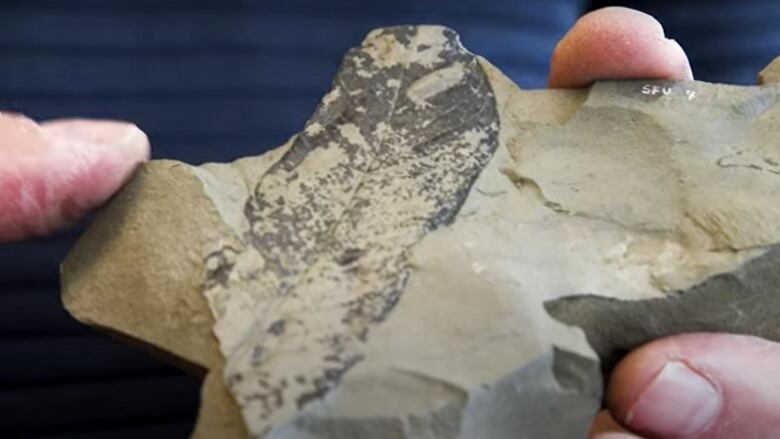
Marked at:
<point>132,277</point>
<point>351,284</point>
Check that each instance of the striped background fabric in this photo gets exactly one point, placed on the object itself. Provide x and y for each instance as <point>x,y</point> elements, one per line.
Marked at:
<point>213,80</point>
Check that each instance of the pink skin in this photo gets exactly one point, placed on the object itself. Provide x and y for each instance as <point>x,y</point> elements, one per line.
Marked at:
<point>743,373</point>
<point>616,43</point>
<point>605,427</point>
<point>53,173</point>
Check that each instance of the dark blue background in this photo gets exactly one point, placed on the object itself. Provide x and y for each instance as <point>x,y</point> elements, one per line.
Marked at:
<point>213,81</point>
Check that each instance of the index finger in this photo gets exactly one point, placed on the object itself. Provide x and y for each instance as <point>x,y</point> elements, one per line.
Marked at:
<point>53,173</point>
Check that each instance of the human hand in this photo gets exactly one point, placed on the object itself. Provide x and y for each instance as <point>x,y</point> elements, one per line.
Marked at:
<point>695,386</point>
<point>53,173</point>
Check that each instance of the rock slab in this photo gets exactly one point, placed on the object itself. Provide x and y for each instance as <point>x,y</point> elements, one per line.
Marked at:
<point>439,254</point>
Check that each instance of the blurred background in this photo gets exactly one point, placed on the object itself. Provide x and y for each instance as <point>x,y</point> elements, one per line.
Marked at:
<point>212,80</point>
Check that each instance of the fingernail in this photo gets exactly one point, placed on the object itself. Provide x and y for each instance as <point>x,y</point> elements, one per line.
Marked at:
<point>688,75</point>
<point>678,403</point>
<point>125,138</point>
<point>135,142</point>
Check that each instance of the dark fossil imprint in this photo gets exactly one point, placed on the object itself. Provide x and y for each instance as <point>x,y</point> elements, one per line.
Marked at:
<point>389,155</point>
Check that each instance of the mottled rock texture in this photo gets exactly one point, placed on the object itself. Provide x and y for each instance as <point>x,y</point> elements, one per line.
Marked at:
<point>439,254</point>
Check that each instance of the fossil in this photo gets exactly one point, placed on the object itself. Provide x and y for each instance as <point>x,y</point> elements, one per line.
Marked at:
<point>439,254</point>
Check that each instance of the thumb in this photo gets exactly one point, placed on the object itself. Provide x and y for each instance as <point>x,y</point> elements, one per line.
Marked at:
<point>52,174</point>
<point>700,386</point>
<point>616,43</point>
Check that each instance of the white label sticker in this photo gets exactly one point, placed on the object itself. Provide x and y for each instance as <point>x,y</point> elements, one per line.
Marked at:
<point>659,90</point>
